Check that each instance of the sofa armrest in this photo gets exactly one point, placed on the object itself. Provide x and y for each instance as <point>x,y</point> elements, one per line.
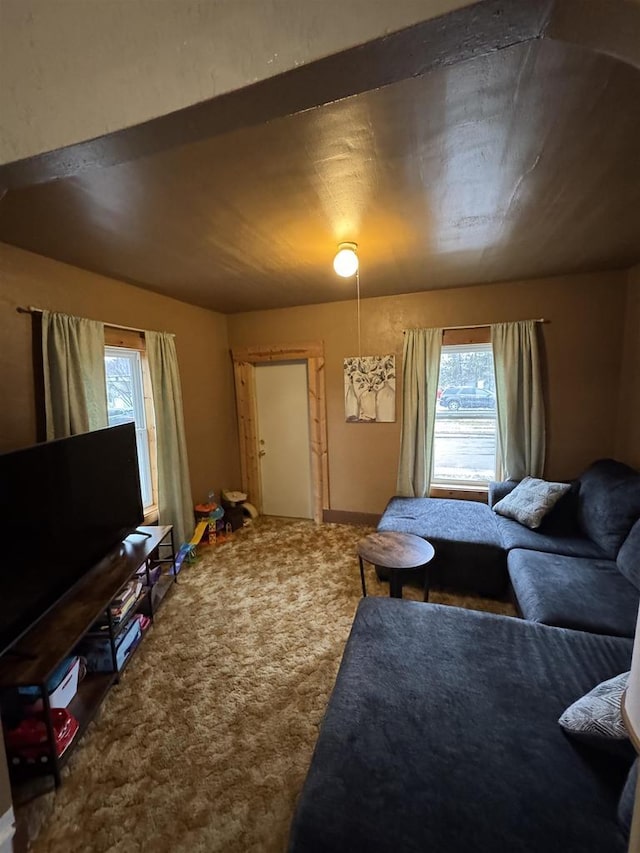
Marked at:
<point>499,490</point>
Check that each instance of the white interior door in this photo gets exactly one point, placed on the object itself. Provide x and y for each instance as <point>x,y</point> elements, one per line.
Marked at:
<point>284,441</point>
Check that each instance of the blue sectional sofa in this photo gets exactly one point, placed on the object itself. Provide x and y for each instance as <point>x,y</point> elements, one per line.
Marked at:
<point>596,591</point>
<point>580,569</point>
<point>442,735</point>
<point>442,730</point>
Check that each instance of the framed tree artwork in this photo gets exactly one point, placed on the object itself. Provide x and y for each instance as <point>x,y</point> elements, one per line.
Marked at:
<point>370,389</point>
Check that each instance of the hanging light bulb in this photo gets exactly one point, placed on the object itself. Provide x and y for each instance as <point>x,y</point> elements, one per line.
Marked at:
<point>345,262</point>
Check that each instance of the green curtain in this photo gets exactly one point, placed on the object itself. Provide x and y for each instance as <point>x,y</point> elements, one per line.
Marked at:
<point>420,371</point>
<point>74,379</point>
<point>519,398</point>
<point>174,487</point>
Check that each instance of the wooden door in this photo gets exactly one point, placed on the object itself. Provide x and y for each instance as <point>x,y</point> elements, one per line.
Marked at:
<point>284,441</point>
<point>245,362</point>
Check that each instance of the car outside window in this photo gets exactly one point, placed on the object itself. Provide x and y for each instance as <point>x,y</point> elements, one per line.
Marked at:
<point>465,439</point>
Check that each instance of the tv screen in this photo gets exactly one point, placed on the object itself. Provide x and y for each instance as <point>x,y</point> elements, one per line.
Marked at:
<point>63,506</point>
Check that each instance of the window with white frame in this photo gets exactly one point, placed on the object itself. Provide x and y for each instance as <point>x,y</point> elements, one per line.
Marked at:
<point>126,403</point>
<point>465,439</point>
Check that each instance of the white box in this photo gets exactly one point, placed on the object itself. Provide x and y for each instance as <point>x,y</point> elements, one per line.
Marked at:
<point>67,689</point>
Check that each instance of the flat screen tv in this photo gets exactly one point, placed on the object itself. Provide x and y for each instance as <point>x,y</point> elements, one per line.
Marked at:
<point>63,506</point>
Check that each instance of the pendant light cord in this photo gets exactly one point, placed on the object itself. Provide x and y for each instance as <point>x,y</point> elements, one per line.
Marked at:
<point>358,312</point>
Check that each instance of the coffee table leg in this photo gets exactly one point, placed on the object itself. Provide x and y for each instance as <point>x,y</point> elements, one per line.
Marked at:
<point>395,584</point>
<point>364,587</point>
<point>426,583</point>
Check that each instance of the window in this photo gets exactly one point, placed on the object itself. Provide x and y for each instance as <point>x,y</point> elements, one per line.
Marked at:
<point>125,403</point>
<point>465,440</point>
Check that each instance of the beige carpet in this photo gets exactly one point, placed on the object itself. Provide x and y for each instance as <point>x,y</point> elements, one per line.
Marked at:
<point>205,743</point>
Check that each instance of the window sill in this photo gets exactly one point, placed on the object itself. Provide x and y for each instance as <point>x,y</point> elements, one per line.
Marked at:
<point>460,492</point>
<point>151,514</point>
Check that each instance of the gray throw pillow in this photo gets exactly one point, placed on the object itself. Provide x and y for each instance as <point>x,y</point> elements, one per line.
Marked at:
<point>531,500</point>
<point>598,714</point>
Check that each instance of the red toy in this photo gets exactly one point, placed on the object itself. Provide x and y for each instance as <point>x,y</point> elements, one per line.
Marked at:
<point>28,743</point>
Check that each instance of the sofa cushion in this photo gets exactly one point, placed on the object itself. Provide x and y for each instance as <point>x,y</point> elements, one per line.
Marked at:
<point>629,556</point>
<point>514,535</point>
<point>469,522</point>
<point>609,503</point>
<point>464,534</point>
<point>573,592</point>
<point>598,714</point>
<point>531,500</point>
<point>441,734</point>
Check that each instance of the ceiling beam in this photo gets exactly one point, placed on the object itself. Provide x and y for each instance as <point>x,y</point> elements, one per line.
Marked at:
<point>458,36</point>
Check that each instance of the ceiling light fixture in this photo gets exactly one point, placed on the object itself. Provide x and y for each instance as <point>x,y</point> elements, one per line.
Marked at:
<point>345,262</point>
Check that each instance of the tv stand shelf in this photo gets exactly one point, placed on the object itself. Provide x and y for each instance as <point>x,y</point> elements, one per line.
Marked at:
<point>39,652</point>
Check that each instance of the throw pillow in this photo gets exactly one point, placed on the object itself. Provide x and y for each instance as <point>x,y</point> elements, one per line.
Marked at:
<point>531,500</point>
<point>598,715</point>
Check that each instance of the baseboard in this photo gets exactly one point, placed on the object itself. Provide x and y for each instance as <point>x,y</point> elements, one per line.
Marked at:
<point>343,516</point>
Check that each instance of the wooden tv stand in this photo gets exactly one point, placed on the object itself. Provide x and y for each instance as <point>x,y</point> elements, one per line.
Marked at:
<point>34,658</point>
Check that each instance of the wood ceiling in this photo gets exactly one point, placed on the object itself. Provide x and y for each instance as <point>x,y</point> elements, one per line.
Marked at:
<point>519,163</point>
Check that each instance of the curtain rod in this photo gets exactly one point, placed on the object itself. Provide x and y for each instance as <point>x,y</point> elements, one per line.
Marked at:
<point>33,310</point>
<point>477,326</point>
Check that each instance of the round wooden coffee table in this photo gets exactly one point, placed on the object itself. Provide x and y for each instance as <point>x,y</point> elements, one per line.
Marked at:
<point>396,552</point>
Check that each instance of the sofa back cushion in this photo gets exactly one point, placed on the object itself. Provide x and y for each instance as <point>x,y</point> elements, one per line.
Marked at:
<point>608,503</point>
<point>629,556</point>
<point>563,518</point>
<point>627,799</point>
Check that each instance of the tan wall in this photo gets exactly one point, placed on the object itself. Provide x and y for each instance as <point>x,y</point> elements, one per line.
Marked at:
<point>72,70</point>
<point>582,343</point>
<point>201,342</point>
<point>628,435</point>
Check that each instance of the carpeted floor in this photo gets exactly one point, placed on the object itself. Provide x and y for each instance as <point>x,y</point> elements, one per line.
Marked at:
<point>204,745</point>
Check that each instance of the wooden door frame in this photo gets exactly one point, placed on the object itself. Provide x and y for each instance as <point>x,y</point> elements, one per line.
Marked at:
<point>244,362</point>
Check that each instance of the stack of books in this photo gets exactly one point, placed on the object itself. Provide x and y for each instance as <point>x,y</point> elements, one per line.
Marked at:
<point>121,607</point>
<point>125,602</point>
